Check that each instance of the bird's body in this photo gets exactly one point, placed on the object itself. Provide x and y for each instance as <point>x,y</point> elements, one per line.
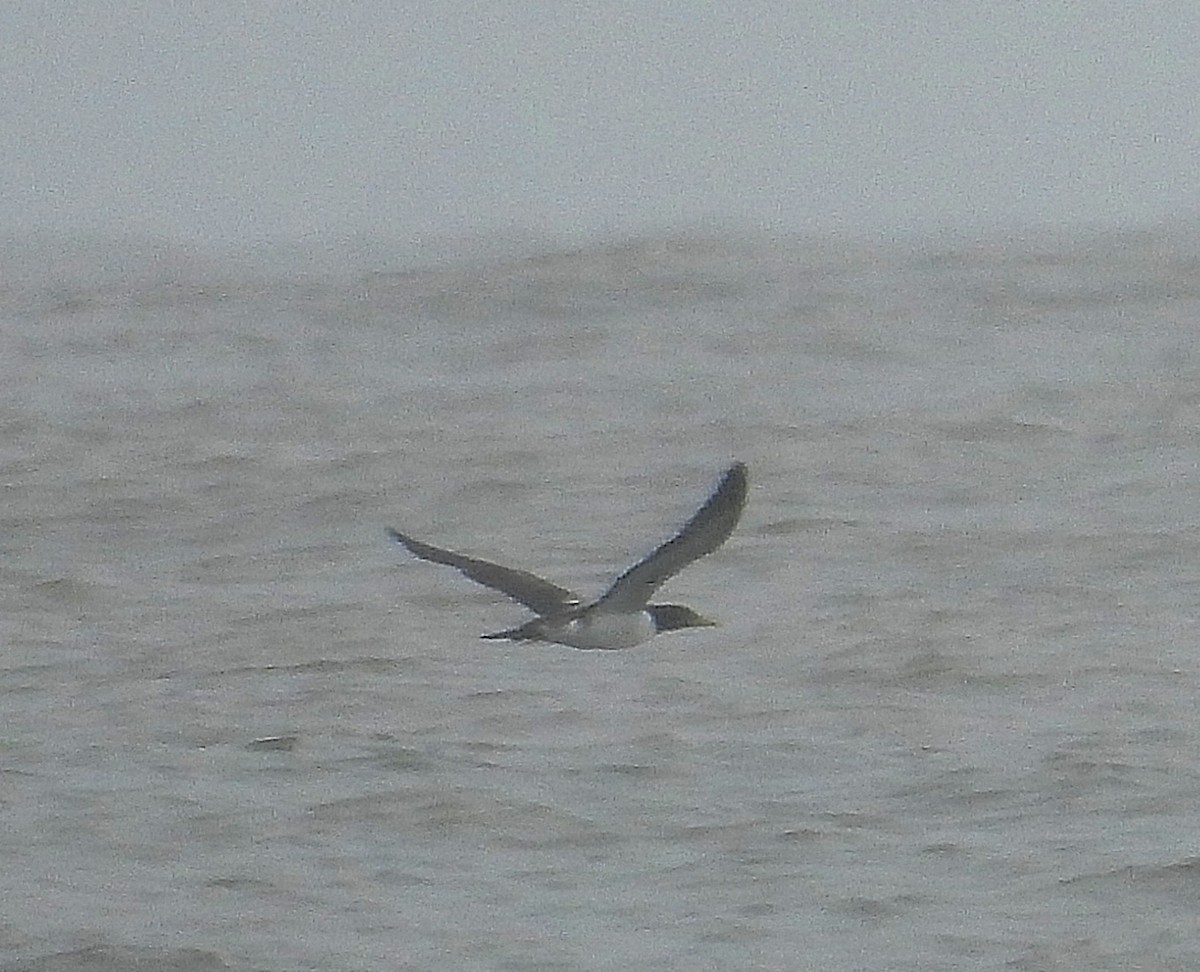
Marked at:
<point>623,616</point>
<point>587,629</point>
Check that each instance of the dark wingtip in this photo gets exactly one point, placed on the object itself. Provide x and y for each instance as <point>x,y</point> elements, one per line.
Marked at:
<point>735,482</point>
<point>407,542</point>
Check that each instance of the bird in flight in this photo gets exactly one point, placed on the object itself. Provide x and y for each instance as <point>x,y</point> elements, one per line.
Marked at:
<point>622,617</point>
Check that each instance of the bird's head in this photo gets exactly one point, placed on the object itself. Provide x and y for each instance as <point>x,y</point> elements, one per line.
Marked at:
<point>672,617</point>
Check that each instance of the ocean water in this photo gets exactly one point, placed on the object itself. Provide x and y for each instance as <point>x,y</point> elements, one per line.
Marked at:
<point>948,721</point>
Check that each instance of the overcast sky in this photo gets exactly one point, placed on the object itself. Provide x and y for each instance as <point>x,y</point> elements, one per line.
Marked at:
<point>228,123</point>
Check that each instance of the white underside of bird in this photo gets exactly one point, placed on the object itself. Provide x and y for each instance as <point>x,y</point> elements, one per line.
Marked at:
<point>603,629</point>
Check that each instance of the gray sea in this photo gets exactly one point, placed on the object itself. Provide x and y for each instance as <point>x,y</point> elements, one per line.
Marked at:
<point>949,720</point>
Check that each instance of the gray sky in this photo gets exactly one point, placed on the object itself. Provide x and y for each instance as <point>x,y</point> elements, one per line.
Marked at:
<point>232,122</point>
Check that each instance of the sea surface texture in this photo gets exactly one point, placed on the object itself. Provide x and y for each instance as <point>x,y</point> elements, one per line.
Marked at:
<point>949,720</point>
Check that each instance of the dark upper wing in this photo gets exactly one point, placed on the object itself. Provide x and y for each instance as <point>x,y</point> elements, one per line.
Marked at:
<point>523,587</point>
<point>701,535</point>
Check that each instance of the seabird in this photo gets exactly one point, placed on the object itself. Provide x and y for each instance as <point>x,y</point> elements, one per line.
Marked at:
<point>622,617</point>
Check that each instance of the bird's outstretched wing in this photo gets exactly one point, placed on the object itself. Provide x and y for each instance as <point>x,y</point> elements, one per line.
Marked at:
<point>701,535</point>
<point>523,587</point>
